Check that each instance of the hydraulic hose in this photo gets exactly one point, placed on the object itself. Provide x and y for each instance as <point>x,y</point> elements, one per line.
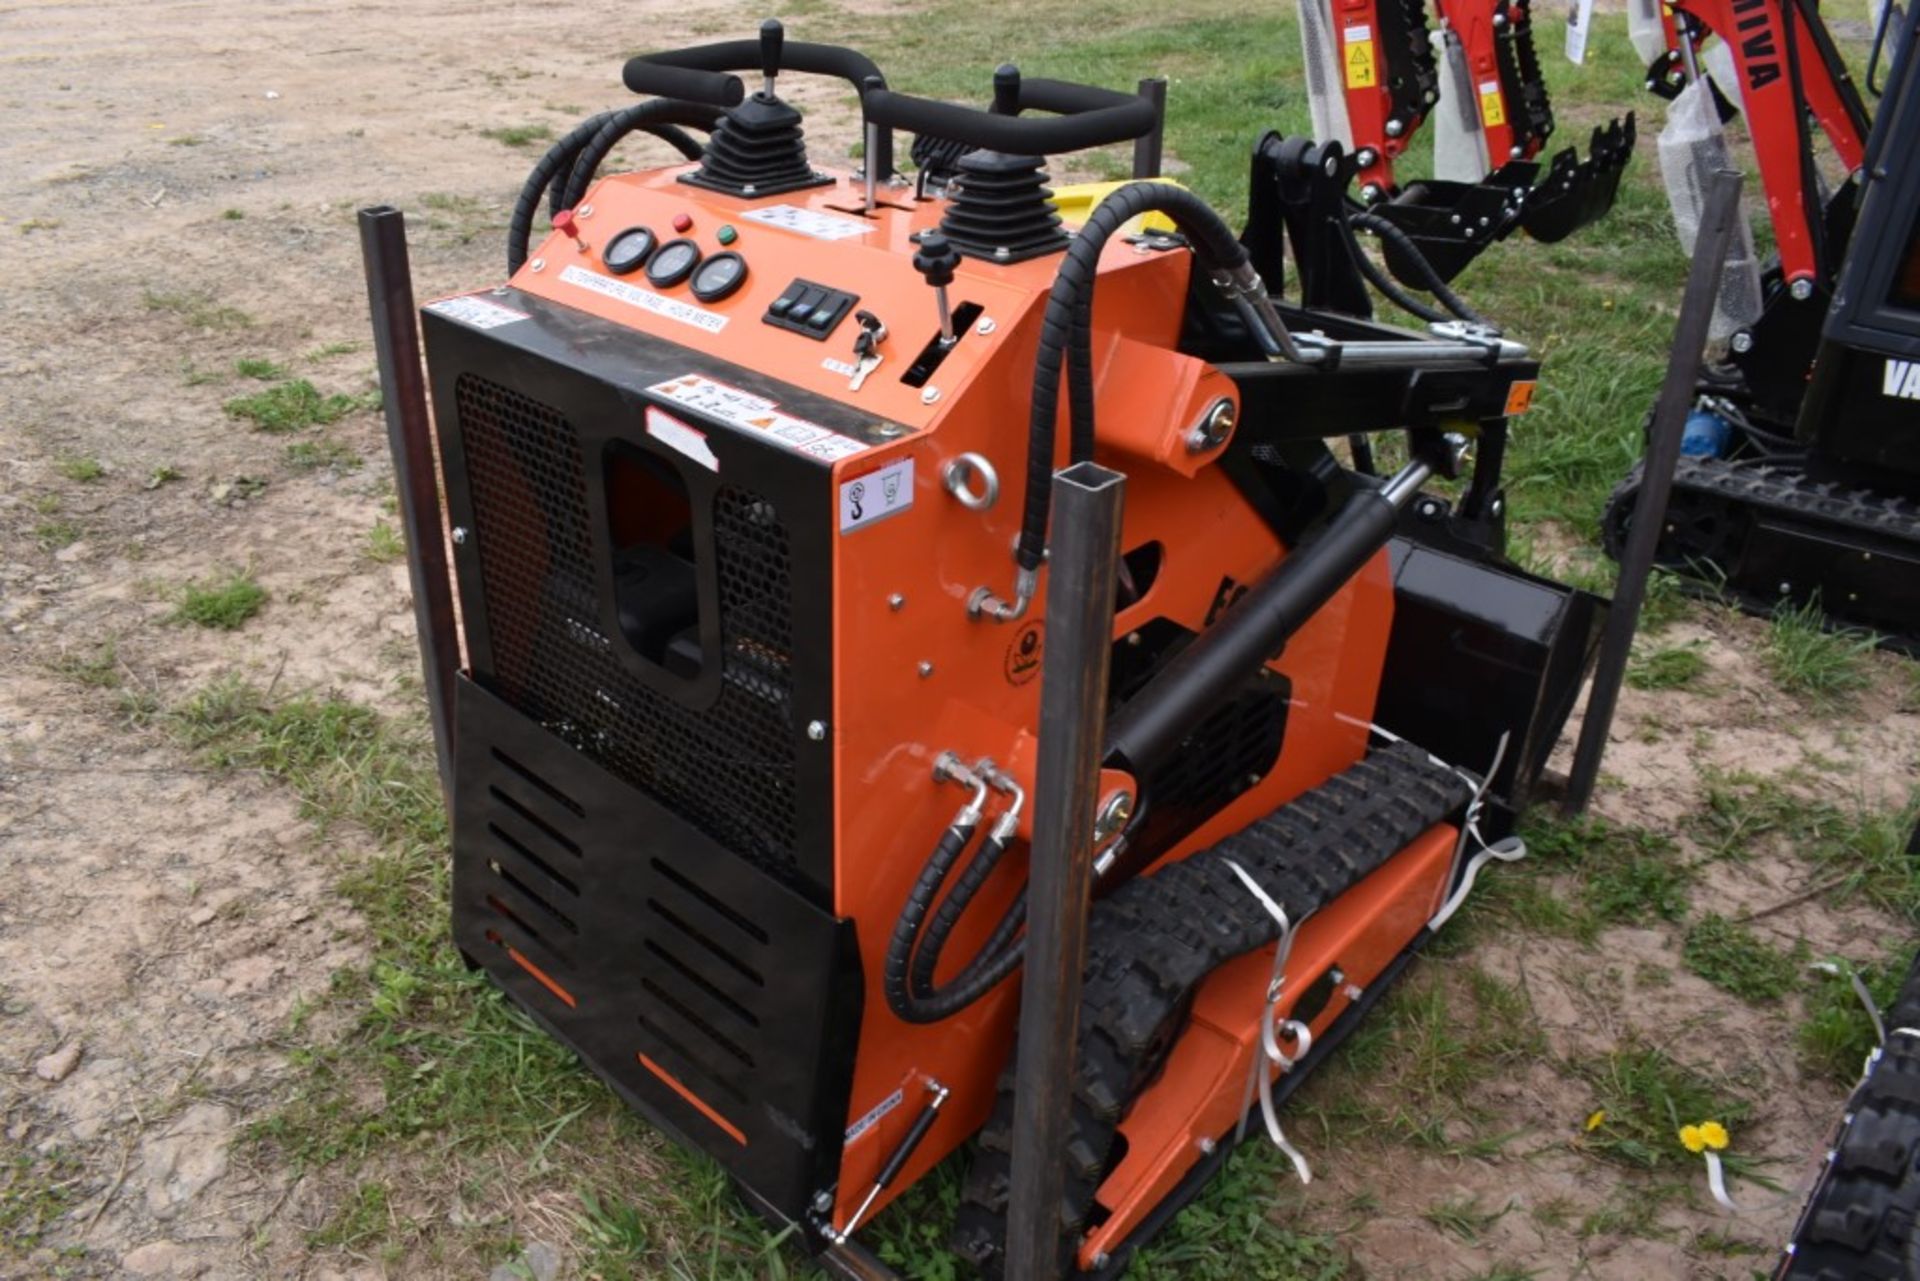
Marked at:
<point>1067,325</point>
<point>1382,281</point>
<point>904,972</point>
<point>560,163</point>
<point>1430,278</point>
<point>568,194</point>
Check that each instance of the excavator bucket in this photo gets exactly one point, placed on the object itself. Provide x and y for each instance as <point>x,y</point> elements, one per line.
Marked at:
<point>1451,222</point>
<point>1576,192</point>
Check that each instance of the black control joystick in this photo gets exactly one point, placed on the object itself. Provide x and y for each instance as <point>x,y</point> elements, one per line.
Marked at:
<point>1006,90</point>
<point>936,260</point>
<point>773,38</point>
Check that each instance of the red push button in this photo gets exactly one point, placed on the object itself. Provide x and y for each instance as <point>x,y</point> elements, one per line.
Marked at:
<point>682,222</point>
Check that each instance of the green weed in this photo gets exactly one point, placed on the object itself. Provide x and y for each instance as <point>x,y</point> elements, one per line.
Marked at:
<point>519,135</point>
<point>198,310</point>
<point>1670,667</point>
<point>1828,668</point>
<point>313,455</point>
<point>1837,1035</point>
<point>1731,956</point>
<point>52,535</point>
<point>293,406</point>
<point>234,215</point>
<point>81,467</point>
<point>223,604</point>
<point>256,367</point>
<point>384,544</point>
<point>98,668</point>
<point>161,475</point>
<point>35,1191</point>
<point>1646,1097</point>
<point>1464,1217</point>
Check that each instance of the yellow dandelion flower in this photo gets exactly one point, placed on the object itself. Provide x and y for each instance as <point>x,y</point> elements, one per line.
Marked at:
<point>1595,1121</point>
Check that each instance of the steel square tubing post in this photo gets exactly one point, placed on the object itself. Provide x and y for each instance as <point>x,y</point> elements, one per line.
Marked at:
<point>1146,148</point>
<point>1656,482</point>
<point>403,389</point>
<point>1082,564</point>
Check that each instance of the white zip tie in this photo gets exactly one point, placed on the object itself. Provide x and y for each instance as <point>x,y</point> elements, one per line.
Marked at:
<point>1860,990</point>
<point>1717,1181</point>
<point>1270,1029</point>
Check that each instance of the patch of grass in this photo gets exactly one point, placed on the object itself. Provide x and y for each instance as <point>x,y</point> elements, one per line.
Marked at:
<point>234,215</point>
<point>1828,668</point>
<point>186,140</point>
<point>35,1191</point>
<point>1463,1217</point>
<point>32,225</point>
<point>384,544</point>
<point>1583,875</point>
<point>519,135</point>
<point>1732,957</point>
<point>362,1218</point>
<point>52,535</point>
<point>328,351</point>
<point>198,309</point>
<point>1669,667</point>
<point>255,367</point>
<point>97,668</point>
<point>294,406</point>
<point>223,604</point>
<point>1647,1096</point>
<point>1228,1234</point>
<point>1837,1035</point>
<point>312,455</point>
<point>81,467</point>
<point>1861,847</point>
<point>161,475</point>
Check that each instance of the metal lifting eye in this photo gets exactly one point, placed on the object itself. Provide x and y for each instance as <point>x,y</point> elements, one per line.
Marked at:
<point>960,476</point>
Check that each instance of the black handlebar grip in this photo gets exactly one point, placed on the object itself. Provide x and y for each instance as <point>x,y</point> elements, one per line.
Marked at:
<point>1006,90</point>
<point>1092,118</point>
<point>714,88</point>
<point>772,37</point>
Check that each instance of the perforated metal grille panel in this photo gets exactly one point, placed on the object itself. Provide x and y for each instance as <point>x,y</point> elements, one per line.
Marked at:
<point>728,769</point>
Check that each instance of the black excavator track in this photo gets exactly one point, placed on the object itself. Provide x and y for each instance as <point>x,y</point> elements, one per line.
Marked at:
<point>1765,534</point>
<point>1862,1222</point>
<point>1153,940</point>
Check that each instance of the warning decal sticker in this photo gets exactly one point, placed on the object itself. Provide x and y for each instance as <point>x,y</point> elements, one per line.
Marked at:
<point>876,495</point>
<point>1357,57</point>
<point>645,299</point>
<point>476,311</point>
<point>745,410</point>
<point>1493,108</point>
<point>674,434</point>
<point>1520,397</point>
<point>809,222</point>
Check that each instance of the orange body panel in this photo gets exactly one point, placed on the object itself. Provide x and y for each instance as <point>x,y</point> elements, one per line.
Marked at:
<point>913,674</point>
<point>1199,1095</point>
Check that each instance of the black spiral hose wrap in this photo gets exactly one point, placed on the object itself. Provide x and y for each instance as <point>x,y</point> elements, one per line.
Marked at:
<point>559,169</point>
<point>1067,326</point>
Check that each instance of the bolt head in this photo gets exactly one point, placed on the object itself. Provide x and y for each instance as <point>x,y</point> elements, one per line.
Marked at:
<point>1330,166</point>
<point>459,535</point>
<point>1395,128</point>
<point>926,668</point>
<point>929,394</point>
<point>1366,157</point>
<point>538,264</point>
<point>816,730</point>
<point>584,211</point>
<point>1207,1147</point>
<point>985,327</point>
<point>1371,193</point>
<point>1742,342</point>
<point>1801,290</point>
<point>896,602</point>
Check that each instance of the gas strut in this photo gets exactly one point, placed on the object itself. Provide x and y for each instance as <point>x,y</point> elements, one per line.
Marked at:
<point>895,1163</point>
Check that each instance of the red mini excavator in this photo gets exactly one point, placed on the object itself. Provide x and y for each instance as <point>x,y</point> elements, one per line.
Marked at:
<point>1801,480</point>
<point>1377,71</point>
<point>749,468</point>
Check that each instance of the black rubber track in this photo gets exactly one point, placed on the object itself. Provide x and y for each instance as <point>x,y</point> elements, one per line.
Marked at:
<point>1859,1225</point>
<point>1152,941</point>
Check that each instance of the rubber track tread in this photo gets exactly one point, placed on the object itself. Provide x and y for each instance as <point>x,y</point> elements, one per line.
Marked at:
<point>1859,1223</point>
<point>1759,487</point>
<point>1153,940</point>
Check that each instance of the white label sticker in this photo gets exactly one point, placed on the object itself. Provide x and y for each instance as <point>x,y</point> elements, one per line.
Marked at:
<point>645,299</point>
<point>743,409</point>
<point>1579,19</point>
<point>809,222</point>
<point>1356,33</point>
<point>477,312</point>
<point>874,1114</point>
<point>876,495</point>
<point>674,434</point>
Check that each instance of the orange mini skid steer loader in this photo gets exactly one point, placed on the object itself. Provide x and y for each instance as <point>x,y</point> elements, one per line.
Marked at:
<point>748,471</point>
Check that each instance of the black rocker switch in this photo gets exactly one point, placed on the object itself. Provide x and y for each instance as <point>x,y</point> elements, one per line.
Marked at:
<point>809,309</point>
<point>936,261</point>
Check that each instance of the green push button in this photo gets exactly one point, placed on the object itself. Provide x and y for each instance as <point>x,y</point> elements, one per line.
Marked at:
<point>726,235</point>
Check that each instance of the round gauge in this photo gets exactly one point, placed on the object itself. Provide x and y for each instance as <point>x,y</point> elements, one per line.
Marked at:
<point>673,262</point>
<point>719,276</point>
<point>627,251</point>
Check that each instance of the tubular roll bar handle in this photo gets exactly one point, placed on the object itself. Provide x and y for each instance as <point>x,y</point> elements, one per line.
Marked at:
<point>1084,116</point>
<point>702,73</point>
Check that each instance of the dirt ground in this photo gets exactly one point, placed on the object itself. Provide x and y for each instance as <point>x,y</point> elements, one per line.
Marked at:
<point>177,187</point>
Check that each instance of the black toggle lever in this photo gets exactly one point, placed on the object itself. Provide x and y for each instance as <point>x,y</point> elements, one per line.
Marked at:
<point>936,261</point>
<point>773,38</point>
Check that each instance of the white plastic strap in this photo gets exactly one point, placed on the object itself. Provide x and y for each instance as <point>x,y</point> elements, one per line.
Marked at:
<point>1271,1029</point>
